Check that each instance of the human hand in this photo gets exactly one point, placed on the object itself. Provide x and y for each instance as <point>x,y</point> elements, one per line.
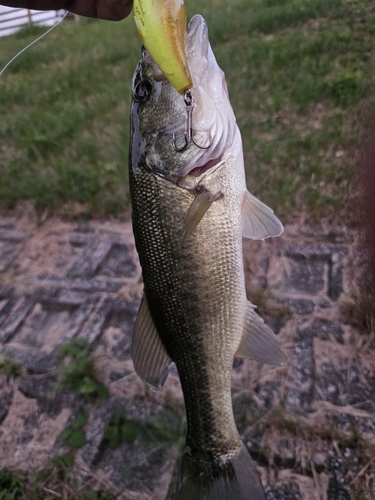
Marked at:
<point>112,10</point>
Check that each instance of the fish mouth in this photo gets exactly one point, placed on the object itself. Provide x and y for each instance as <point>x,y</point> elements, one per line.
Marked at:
<point>198,171</point>
<point>196,40</point>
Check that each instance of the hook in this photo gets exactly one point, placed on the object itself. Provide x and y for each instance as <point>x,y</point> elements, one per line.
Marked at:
<point>188,98</point>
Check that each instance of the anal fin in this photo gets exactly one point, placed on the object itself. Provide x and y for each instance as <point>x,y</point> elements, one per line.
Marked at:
<point>150,359</point>
<point>258,341</point>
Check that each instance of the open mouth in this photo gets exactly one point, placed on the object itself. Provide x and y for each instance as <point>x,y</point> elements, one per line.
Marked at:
<point>197,171</point>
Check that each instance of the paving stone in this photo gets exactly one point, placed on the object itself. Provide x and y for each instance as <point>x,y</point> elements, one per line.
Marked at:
<point>336,234</point>
<point>338,260</point>
<point>87,285</point>
<point>37,387</point>
<point>306,275</point>
<point>114,376</point>
<point>7,302</point>
<point>326,330</point>
<point>276,323</point>
<point>284,492</point>
<point>308,265</point>
<point>11,324</point>
<point>111,257</point>
<point>100,255</point>
<point>337,490</point>
<point>89,242</point>
<point>8,253</point>
<point>51,397</point>
<point>10,242</point>
<point>136,464</point>
<point>362,276</point>
<point>268,393</point>
<point>263,264</point>
<point>92,452</point>
<point>118,263</point>
<point>42,323</point>
<point>301,393</point>
<point>237,362</point>
<point>8,222</point>
<point>299,306</point>
<point>6,397</point>
<point>343,386</point>
<point>347,422</point>
<point>32,360</point>
<point>252,439</point>
<point>324,304</point>
<point>112,327</point>
<point>12,236</point>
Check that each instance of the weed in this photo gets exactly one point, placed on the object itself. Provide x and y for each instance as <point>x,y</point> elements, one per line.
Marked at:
<point>74,435</point>
<point>97,495</point>
<point>120,430</point>
<point>10,368</point>
<point>79,372</point>
<point>10,486</point>
<point>300,442</point>
<point>64,461</point>
<point>347,87</point>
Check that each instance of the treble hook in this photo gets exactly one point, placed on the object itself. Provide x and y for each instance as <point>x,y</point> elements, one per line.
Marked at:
<point>188,98</point>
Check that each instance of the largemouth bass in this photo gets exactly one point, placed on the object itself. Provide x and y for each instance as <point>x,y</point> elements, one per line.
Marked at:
<point>190,209</point>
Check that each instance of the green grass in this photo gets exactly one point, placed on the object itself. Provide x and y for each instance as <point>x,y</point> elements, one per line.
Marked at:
<point>10,368</point>
<point>299,73</point>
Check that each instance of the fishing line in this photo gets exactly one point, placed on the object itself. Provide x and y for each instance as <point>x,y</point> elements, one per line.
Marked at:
<point>32,43</point>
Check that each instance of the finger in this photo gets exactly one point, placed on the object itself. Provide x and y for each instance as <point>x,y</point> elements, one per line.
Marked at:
<point>114,10</point>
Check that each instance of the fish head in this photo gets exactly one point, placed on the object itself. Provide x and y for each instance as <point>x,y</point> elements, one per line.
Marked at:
<point>160,114</point>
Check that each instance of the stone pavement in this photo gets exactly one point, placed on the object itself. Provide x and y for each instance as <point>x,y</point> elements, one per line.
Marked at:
<point>309,425</point>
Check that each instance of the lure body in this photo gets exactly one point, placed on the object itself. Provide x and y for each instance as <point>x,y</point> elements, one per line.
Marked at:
<point>161,26</point>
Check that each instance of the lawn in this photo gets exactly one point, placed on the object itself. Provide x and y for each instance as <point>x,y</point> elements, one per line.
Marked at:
<point>300,77</point>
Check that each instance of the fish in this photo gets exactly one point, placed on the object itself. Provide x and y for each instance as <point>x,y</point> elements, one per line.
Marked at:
<point>161,27</point>
<point>190,210</point>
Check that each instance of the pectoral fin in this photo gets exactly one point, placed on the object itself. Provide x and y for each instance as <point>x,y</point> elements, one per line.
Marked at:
<point>258,341</point>
<point>259,220</point>
<point>198,208</point>
<point>150,359</point>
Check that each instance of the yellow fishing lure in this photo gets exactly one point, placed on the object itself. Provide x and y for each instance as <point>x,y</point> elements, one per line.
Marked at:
<point>161,26</point>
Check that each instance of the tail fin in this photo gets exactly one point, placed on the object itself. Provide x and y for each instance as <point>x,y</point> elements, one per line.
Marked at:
<point>231,477</point>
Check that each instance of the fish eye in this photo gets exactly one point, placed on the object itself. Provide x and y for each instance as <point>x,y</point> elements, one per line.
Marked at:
<point>142,91</point>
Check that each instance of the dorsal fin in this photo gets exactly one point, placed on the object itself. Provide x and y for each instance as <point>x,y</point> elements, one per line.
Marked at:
<point>258,341</point>
<point>150,359</point>
<point>259,221</point>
